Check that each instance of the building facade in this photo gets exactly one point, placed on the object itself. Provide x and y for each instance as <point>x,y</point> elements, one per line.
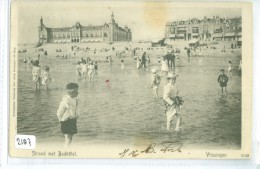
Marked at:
<point>108,33</point>
<point>207,29</point>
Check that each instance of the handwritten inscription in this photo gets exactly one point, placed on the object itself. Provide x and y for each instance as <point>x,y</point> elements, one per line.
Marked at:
<point>25,141</point>
<point>164,147</point>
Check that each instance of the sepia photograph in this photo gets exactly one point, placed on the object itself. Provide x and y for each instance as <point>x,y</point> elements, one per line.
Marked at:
<point>122,79</point>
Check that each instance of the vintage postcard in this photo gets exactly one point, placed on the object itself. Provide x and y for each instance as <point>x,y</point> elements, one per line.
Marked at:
<point>123,79</point>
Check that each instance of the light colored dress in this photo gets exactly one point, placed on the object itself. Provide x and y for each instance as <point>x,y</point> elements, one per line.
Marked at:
<point>122,66</point>
<point>36,72</point>
<point>78,68</point>
<point>91,69</point>
<point>240,66</point>
<point>138,64</point>
<point>46,77</point>
<point>155,81</point>
<point>229,67</point>
<point>83,68</point>
<point>165,66</point>
<point>170,91</point>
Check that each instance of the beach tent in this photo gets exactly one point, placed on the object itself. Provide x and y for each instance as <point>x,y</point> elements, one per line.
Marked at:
<point>194,43</point>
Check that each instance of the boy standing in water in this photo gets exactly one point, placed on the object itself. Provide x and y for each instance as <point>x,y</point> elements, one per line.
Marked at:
<point>67,112</point>
<point>223,80</point>
<point>172,101</point>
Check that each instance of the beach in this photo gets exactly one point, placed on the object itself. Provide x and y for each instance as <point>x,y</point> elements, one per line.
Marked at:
<point>125,111</point>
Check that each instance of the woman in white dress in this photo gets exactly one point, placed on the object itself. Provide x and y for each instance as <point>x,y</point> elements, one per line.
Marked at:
<point>165,67</point>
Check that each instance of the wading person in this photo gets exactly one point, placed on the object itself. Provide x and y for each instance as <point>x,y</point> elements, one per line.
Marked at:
<point>230,67</point>
<point>122,66</point>
<point>36,72</point>
<point>143,61</point>
<point>91,71</point>
<point>78,69</point>
<point>188,52</point>
<point>223,80</point>
<point>46,77</point>
<point>96,67</point>
<point>155,80</point>
<point>138,63</point>
<point>240,68</point>
<point>164,68</point>
<point>67,113</point>
<point>172,102</point>
<point>83,69</point>
<point>148,60</point>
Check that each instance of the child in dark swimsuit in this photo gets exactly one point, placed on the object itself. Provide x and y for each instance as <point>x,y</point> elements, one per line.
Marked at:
<point>223,80</point>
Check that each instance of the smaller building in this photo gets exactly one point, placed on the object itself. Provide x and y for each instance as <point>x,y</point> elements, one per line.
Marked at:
<point>207,29</point>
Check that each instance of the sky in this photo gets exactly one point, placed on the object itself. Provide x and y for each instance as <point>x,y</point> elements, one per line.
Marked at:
<point>145,19</point>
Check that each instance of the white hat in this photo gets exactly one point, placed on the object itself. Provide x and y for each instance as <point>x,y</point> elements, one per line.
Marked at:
<point>153,70</point>
<point>172,75</point>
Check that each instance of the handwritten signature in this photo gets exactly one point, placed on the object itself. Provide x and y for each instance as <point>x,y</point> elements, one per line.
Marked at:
<point>169,146</point>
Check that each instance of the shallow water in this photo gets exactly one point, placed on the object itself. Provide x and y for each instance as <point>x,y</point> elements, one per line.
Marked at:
<point>126,112</point>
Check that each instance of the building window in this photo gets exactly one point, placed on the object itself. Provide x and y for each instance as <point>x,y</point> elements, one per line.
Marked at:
<point>172,30</point>
<point>205,29</point>
<point>195,30</point>
<point>181,30</point>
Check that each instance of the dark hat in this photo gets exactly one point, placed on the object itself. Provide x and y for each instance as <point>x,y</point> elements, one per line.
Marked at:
<point>222,70</point>
<point>36,63</point>
<point>71,86</point>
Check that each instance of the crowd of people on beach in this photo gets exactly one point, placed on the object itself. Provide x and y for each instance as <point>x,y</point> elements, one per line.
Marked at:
<point>87,69</point>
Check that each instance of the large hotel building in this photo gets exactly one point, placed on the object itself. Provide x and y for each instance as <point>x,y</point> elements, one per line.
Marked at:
<point>108,33</point>
<point>207,29</point>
